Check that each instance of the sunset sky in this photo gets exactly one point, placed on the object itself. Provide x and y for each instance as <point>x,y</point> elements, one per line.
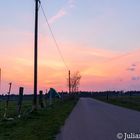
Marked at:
<point>98,38</point>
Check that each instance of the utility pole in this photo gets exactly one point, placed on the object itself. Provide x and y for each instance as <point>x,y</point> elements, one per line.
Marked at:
<point>36,54</point>
<point>69,83</point>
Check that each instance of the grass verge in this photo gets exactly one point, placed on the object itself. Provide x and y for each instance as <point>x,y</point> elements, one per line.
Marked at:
<point>40,125</point>
<point>124,101</point>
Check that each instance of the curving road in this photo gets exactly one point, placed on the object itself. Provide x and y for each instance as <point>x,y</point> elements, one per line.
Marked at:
<point>96,120</point>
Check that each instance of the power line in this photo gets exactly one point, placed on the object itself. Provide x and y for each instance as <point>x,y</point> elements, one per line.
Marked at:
<point>56,44</point>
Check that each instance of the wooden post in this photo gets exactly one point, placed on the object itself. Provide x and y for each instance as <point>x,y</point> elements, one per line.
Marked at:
<point>69,83</point>
<point>50,97</point>
<point>46,98</point>
<point>36,55</point>
<point>19,104</point>
<point>62,95</point>
<point>41,99</point>
<point>7,101</point>
<point>107,97</point>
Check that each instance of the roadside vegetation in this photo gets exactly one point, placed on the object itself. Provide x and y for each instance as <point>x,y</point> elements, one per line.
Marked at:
<point>42,124</point>
<point>131,102</point>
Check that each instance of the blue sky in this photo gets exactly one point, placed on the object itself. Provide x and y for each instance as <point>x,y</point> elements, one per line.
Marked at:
<point>110,24</point>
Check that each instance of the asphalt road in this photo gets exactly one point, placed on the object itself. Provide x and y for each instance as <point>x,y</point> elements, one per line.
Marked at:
<point>96,120</point>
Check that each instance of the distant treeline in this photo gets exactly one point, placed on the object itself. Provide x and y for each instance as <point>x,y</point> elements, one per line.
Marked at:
<point>80,94</point>
<point>30,96</point>
<point>110,93</point>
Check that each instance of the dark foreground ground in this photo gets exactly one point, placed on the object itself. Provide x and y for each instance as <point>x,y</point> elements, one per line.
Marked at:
<point>43,124</point>
<point>95,120</point>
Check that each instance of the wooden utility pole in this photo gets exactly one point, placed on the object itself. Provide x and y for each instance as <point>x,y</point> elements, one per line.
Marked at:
<point>35,54</point>
<point>69,83</point>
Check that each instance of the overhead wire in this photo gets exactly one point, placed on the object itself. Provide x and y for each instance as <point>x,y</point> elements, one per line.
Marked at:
<point>55,42</point>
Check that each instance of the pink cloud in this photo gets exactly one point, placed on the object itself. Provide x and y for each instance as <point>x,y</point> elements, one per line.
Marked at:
<point>61,13</point>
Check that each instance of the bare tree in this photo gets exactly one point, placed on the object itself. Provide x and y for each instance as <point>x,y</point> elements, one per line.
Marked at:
<point>75,82</point>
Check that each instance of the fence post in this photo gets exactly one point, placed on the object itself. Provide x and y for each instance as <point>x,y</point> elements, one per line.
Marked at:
<point>41,99</point>
<point>50,97</point>
<point>20,99</point>
<point>107,97</point>
<point>62,95</point>
<point>7,101</point>
<point>46,99</point>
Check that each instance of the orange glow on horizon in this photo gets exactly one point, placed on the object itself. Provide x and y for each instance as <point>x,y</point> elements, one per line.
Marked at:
<point>97,66</point>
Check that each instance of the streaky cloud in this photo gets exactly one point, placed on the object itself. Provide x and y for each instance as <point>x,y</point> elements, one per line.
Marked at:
<point>61,13</point>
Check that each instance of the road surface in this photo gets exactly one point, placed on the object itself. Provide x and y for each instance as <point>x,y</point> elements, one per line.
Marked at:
<point>96,120</point>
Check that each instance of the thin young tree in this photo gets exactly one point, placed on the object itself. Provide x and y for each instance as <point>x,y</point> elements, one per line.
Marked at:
<point>75,82</point>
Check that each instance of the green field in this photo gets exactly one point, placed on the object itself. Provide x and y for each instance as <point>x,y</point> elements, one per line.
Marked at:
<point>131,102</point>
<point>12,108</point>
<point>43,124</point>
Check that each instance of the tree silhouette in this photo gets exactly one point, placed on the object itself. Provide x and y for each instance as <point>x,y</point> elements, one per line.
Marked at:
<point>75,82</point>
